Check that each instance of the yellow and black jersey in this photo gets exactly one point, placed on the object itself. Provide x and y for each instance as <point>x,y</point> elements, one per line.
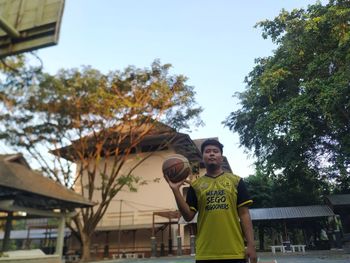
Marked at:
<point>219,232</point>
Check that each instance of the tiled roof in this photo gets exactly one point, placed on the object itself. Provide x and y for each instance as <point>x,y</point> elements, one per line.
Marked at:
<point>276,213</point>
<point>287,213</point>
<point>19,182</point>
<point>341,199</point>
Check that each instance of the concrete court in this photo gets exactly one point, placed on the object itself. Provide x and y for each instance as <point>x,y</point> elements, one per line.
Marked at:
<point>309,257</point>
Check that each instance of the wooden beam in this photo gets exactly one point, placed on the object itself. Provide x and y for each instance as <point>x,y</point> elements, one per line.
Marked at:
<point>7,205</point>
<point>13,33</point>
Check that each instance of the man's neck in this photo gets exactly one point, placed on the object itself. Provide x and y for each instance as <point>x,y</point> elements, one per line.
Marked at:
<point>214,173</point>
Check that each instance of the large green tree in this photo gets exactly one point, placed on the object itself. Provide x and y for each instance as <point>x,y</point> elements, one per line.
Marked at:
<point>295,111</point>
<point>95,120</point>
<point>260,188</point>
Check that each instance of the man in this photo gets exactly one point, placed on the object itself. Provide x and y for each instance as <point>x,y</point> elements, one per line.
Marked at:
<point>221,200</point>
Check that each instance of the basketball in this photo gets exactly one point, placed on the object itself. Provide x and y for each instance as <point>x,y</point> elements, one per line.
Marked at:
<point>176,167</point>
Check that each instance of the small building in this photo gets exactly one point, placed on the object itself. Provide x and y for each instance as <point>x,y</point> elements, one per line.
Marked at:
<point>286,222</point>
<point>340,204</point>
<point>26,194</point>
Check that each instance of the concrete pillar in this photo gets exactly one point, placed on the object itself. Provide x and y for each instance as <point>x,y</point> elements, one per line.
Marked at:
<point>8,228</point>
<point>193,245</point>
<point>179,246</point>
<point>170,247</point>
<point>153,247</point>
<point>60,236</point>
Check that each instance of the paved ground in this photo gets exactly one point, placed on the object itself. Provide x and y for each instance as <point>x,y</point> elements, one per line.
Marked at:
<point>308,257</point>
<point>325,256</point>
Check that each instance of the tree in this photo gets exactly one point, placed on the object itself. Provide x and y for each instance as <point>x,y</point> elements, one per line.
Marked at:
<point>259,187</point>
<point>295,113</point>
<point>93,118</point>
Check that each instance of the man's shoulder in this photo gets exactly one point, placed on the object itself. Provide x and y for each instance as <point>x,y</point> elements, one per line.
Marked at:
<point>198,180</point>
<point>232,176</point>
<point>202,182</point>
<point>224,176</point>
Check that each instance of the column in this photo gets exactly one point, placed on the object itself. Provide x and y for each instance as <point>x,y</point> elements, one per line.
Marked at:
<point>179,246</point>
<point>153,247</point>
<point>193,245</point>
<point>60,236</point>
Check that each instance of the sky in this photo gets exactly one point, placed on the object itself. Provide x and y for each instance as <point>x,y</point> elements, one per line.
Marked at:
<point>212,42</point>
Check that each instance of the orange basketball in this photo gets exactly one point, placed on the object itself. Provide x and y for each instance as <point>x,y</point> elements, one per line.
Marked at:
<point>176,167</point>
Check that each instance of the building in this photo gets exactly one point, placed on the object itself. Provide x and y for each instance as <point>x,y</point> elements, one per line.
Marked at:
<point>147,218</point>
<point>26,194</point>
<point>146,223</point>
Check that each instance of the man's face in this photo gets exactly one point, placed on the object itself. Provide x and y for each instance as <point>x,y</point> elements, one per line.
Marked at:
<point>212,156</point>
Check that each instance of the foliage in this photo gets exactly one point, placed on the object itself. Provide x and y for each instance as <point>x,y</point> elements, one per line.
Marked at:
<point>96,121</point>
<point>298,187</point>
<point>259,187</point>
<point>286,189</point>
<point>75,104</point>
<point>295,112</point>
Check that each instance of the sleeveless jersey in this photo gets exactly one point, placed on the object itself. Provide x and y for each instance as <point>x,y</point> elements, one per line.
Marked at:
<point>216,200</point>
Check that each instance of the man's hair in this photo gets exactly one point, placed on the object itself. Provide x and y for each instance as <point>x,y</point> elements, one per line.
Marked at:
<point>212,142</point>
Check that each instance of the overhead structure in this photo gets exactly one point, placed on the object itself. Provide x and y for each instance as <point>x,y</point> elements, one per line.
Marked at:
<point>27,193</point>
<point>22,189</point>
<point>173,217</point>
<point>340,204</point>
<point>27,25</point>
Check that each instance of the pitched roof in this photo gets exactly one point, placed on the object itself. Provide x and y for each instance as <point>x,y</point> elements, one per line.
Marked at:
<point>198,142</point>
<point>159,135</point>
<point>15,158</point>
<point>341,199</point>
<point>31,189</point>
<point>293,212</point>
<point>284,213</point>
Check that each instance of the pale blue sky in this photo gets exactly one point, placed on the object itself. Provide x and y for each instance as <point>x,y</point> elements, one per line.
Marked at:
<point>212,42</point>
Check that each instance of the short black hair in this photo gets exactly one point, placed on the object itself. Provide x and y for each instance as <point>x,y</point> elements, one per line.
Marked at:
<point>212,142</point>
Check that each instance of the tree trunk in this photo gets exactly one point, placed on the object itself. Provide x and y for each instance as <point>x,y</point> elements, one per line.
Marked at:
<point>85,250</point>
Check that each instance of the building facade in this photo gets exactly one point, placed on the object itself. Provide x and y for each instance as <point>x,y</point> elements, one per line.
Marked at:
<point>145,222</point>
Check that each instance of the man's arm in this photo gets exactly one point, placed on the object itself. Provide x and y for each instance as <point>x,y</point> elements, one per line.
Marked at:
<point>184,208</point>
<point>248,232</point>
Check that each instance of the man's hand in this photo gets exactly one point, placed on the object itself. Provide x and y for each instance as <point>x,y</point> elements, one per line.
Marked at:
<point>251,254</point>
<point>184,208</point>
<point>172,185</point>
